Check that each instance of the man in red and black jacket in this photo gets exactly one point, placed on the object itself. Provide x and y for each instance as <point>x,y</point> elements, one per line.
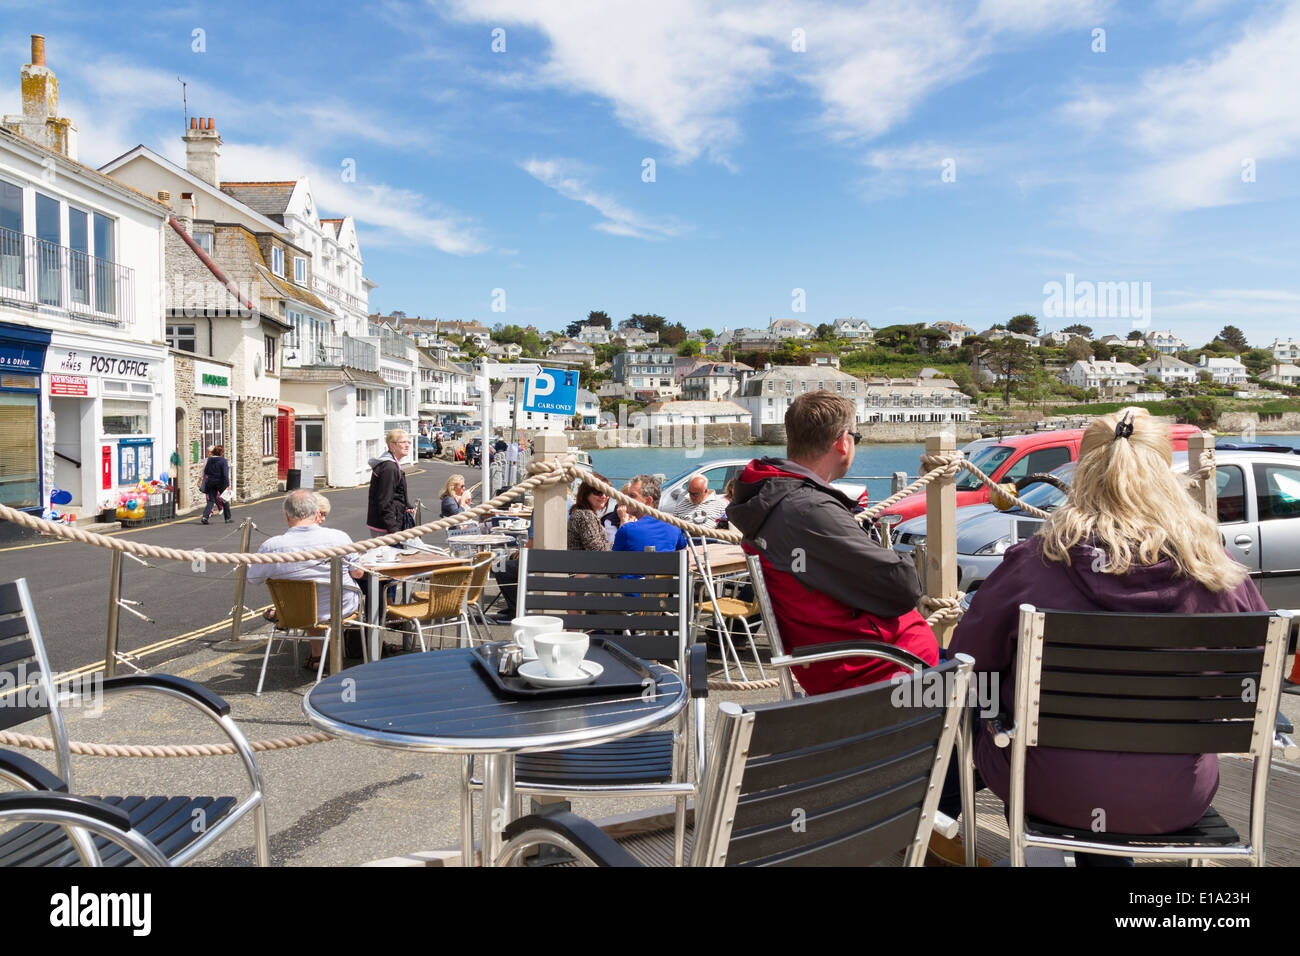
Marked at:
<point>828,581</point>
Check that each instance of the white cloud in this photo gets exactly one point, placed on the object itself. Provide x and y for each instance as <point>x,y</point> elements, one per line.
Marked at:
<point>1197,122</point>
<point>390,216</point>
<point>565,177</point>
<point>679,72</point>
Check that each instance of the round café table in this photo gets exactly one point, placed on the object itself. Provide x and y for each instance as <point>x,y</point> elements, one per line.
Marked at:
<point>443,702</point>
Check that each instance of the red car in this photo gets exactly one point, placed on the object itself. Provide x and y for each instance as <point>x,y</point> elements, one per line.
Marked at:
<point>1016,456</point>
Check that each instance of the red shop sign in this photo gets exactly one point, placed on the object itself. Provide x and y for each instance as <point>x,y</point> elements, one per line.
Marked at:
<point>69,385</point>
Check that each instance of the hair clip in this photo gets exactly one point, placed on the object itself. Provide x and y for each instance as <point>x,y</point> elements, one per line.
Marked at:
<point>1124,427</point>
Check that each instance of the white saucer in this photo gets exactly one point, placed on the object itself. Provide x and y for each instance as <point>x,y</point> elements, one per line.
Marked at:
<point>535,674</point>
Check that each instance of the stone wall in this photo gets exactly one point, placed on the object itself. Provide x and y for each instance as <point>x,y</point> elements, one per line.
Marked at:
<point>893,432</point>
<point>255,476</point>
<point>665,436</point>
<point>190,430</point>
<point>1246,425</point>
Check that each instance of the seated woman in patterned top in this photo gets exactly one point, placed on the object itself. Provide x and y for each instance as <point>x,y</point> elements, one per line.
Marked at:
<point>585,530</point>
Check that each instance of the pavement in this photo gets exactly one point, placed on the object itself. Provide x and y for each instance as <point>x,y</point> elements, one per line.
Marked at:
<point>329,804</point>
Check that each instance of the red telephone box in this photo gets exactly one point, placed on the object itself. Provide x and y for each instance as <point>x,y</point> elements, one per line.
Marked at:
<point>284,433</point>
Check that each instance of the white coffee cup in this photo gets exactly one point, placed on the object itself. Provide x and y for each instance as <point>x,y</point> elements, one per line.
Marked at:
<point>524,629</point>
<point>561,652</point>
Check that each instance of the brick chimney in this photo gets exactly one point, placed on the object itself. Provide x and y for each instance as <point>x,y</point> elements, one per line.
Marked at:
<point>202,150</point>
<point>40,120</point>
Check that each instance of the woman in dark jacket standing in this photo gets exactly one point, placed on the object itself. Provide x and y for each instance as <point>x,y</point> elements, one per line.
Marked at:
<point>216,479</point>
<point>389,509</point>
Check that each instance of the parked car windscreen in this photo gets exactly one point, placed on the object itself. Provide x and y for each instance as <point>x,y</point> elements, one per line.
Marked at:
<point>987,461</point>
<point>1048,497</point>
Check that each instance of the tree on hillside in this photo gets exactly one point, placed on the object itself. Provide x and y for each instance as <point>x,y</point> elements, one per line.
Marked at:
<point>647,323</point>
<point>893,336</point>
<point>1024,324</point>
<point>600,318</point>
<point>688,348</point>
<point>573,328</point>
<point>1134,335</point>
<point>1101,350</point>
<point>1233,338</point>
<point>1008,359</point>
<point>825,331</point>
<point>1077,350</point>
<point>707,335</point>
<point>1084,330</point>
<point>674,334</point>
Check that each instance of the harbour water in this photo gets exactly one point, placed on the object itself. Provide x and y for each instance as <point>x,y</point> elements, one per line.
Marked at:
<point>880,460</point>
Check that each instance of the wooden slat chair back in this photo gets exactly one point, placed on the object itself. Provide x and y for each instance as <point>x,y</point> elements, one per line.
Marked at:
<point>595,591</point>
<point>1160,684</point>
<point>850,778</point>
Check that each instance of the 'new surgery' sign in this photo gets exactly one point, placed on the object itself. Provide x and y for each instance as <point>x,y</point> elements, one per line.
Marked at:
<point>553,392</point>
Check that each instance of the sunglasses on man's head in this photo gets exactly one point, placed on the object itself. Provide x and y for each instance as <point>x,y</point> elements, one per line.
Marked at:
<point>856,436</point>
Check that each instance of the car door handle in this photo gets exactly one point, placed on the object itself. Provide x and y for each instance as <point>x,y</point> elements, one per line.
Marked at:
<point>1243,540</point>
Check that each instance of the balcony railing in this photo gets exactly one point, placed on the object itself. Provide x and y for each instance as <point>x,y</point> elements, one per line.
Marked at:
<point>334,352</point>
<point>49,276</point>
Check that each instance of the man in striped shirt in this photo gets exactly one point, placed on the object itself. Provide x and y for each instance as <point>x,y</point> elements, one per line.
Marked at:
<point>702,506</point>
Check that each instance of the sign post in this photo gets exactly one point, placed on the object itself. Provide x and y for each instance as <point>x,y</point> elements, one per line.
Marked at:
<point>485,431</point>
<point>491,370</point>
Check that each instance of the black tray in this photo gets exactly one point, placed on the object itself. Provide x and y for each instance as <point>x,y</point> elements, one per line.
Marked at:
<point>624,674</point>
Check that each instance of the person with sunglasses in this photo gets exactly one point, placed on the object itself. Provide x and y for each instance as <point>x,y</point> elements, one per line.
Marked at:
<point>827,579</point>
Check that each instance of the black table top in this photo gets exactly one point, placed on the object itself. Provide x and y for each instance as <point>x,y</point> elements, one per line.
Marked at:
<point>442,702</point>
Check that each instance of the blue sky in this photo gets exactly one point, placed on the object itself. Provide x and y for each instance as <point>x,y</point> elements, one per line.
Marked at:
<point>911,162</point>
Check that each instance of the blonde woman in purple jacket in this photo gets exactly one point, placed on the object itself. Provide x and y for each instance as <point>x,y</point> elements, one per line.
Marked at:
<point>1128,538</point>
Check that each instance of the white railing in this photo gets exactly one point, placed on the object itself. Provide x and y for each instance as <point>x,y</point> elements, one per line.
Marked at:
<point>49,276</point>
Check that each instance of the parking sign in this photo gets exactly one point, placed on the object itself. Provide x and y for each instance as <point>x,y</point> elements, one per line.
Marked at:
<point>554,392</point>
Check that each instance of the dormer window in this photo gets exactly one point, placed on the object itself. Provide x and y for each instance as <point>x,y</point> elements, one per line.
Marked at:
<point>277,260</point>
<point>300,270</point>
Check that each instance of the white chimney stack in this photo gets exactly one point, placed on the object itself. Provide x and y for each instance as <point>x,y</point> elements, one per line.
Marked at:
<point>202,150</point>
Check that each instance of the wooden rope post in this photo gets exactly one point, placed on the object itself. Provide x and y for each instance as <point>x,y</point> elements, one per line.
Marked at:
<point>336,616</point>
<point>1200,455</point>
<point>241,581</point>
<point>941,532</point>
<point>114,614</point>
<point>550,502</point>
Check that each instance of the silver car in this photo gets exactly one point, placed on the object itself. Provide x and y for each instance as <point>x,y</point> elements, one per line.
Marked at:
<point>1258,508</point>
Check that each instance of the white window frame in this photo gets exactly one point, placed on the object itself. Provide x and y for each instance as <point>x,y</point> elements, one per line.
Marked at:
<point>300,270</point>
<point>277,261</point>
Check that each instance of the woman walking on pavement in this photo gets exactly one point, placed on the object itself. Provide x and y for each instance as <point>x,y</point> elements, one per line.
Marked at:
<point>216,479</point>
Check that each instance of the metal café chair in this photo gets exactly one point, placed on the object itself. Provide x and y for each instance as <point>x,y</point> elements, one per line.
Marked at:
<point>783,662</point>
<point>443,605</point>
<point>55,827</point>
<point>843,779</point>
<point>723,610</point>
<point>1156,684</point>
<point>648,617</point>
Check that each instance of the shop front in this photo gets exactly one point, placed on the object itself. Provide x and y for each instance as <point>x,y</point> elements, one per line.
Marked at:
<point>22,361</point>
<point>106,426</point>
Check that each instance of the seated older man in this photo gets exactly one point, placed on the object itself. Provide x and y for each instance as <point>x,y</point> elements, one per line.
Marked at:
<point>648,533</point>
<point>703,506</point>
<point>301,512</point>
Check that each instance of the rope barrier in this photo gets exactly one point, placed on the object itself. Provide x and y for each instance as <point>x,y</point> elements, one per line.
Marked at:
<point>83,749</point>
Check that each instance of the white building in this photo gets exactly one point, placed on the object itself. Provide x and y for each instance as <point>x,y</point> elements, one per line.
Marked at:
<point>783,329</point>
<point>690,413</point>
<point>593,334</point>
<point>84,405</point>
<point>1164,342</point>
<point>1224,371</point>
<point>992,334</point>
<point>1169,370</point>
<point>1285,350</point>
<point>715,381</point>
<point>571,350</point>
<point>1282,374</point>
<point>955,331</point>
<point>768,395</point>
<point>652,372</point>
<point>857,331</point>
<point>1102,374</point>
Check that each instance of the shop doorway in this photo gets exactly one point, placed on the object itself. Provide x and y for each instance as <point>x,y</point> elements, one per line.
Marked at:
<point>69,465</point>
<point>309,451</point>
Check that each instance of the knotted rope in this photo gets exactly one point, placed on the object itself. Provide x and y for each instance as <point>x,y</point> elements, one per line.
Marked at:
<point>81,748</point>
